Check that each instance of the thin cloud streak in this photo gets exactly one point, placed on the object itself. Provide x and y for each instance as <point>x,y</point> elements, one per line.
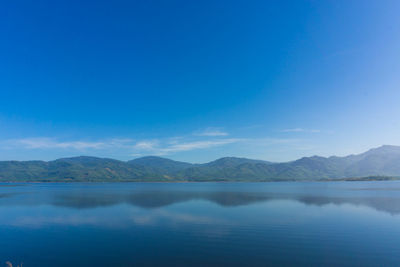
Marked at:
<point>212,132</point>
<point>53,143</point>
<point>155,146</point>
<point>200,145</point>
<point>126,147</point>
<point>164,149</point>
<point>46,143</point>
<point>146,145</point>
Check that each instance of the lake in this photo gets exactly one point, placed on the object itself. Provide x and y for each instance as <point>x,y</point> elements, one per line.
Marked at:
<point>201,224</point>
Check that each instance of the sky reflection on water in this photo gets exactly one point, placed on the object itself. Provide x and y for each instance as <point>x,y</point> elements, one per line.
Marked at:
<point>264,222</point>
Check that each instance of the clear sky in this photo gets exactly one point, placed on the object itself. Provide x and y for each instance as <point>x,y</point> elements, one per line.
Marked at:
<point>198,80</point>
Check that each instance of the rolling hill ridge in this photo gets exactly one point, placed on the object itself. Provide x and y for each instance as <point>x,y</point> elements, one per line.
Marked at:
<point>381,161</point>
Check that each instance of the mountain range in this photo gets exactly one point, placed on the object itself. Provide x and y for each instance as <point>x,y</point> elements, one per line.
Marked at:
<point>381,161</point>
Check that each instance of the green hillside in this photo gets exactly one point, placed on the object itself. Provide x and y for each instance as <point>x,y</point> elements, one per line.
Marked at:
<point>382,161</point>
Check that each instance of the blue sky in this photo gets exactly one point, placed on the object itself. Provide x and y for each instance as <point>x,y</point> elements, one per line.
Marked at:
<point>198,80</point>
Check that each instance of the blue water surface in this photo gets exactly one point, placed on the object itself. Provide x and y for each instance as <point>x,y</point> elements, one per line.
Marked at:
<point>201,224</point>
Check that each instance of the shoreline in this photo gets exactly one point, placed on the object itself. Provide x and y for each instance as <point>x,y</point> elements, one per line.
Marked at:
<point>350,179</point>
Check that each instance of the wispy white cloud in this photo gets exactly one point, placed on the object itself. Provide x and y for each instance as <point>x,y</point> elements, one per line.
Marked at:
<point>35,143</point>
<point>120,141</point>
<point>126,147</point>
<point>200,144</point>
<point>54,143</point>
<point>300,130</point>
<point>165,148</point>
<point>212,132</point>
<point>146,145</point>
<point>159,148</point>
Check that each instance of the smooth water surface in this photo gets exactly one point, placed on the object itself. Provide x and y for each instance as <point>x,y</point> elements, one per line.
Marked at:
<point>201,224</point>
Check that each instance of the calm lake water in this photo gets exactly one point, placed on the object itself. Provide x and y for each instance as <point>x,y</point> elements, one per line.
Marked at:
<point>201,224</point>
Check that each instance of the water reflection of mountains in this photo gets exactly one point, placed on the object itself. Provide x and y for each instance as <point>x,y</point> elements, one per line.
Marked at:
<point>155,199</point>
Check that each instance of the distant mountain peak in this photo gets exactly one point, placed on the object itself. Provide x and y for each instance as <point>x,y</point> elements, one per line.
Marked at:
<point>80,158</point>
<point>235,161</point>
<point>153,159</point>
<point>160,164</point>
<point>383,149</point>
<point>391,147</point>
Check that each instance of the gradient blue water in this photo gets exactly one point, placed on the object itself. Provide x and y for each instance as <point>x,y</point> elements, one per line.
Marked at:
<point>201,224</point>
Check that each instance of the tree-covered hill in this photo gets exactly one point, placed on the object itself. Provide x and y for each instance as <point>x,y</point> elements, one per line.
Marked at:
<point>382,161</point>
